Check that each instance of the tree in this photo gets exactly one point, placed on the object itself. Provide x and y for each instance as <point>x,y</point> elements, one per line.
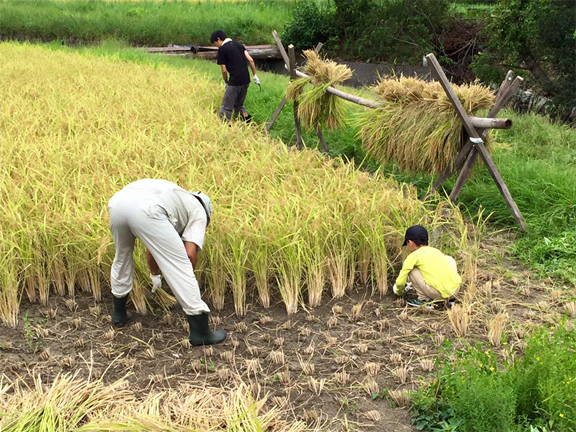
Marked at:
<point>537,36</point>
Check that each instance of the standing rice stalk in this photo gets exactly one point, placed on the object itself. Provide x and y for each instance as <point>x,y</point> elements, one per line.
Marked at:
<point>217,275</point>
<point>260,268</point>
<point>236,268</point>
<point>288,264</point>
<point>315,271</point>
<point>496,328</point>
<point>9,297</point>
<point>460,317</point>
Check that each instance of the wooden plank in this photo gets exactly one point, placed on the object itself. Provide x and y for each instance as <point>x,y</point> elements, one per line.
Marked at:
<point>477,141</point>
<point>463,176</point>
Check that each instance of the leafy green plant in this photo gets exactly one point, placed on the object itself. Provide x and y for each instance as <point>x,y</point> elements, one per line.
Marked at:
<point>478,392</point>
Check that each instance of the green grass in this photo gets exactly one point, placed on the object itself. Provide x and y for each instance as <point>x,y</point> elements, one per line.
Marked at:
<point>141,23</point>
<point>536,157</point>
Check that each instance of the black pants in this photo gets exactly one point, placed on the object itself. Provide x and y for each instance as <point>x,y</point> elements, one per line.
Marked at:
<point>233,102</point>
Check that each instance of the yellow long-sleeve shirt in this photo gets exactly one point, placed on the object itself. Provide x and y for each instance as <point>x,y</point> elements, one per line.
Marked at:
<point>435,268</point>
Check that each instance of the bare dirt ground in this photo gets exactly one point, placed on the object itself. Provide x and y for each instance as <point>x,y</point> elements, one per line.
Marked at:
<point>332,365</point>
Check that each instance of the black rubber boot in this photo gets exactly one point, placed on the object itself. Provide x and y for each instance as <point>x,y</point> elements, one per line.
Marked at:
<point>200,333</point>
<point>119,316</point>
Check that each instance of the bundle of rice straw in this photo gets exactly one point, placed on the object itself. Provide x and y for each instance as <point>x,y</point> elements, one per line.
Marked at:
<point>317,106</point>
<point>417,127</point>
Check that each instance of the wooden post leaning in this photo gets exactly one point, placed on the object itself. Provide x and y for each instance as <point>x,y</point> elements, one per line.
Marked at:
<point>292,66</point>
<point>294,74</point>
<point>476,141</point>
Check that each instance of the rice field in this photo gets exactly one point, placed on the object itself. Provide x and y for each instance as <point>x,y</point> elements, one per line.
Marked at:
<point>287,225</point>
<point>297,260</point>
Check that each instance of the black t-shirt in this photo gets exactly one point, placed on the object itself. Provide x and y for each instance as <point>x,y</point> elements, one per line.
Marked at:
<point>232,55</point>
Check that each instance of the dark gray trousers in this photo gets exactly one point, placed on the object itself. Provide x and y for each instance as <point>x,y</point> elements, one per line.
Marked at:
<point>233,102</point>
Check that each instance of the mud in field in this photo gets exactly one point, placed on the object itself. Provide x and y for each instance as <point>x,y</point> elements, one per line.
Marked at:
<point>331,365</point>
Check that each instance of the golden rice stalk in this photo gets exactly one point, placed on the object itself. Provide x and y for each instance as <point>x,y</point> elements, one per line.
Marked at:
<point>316,105</point>
<point>342,377</point>
<point>289,275</point>
<point>496,328</point>
<point>217,275</point>
<point>332,322</point>
<point>400,397</point>
<point>315,276</point>
<point>401,373</point>
<point>373,415</point>
<point>316,385</point>
<point>417,127</point>
<point>260,268</point>
<point>571,308</point>
<point>308,368</point>
<point>236,266</point>
<point>460,316</point>
<point>356,311</point>
<point>427,365</point>
<point>370,386</point>
<point>438,339</point>
<point>277,357</point>
<point>372,369</point>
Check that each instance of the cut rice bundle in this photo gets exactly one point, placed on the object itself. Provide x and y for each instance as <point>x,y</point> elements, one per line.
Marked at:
<point>317,106</point>
<point>417,127</point>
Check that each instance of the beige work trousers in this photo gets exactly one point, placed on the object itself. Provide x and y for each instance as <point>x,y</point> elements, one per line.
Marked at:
<point>135,214</point>
<point>424,290</point>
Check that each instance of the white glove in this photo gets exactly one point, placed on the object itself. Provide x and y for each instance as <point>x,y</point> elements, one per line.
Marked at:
<point>408,287</point>
<point>256,79</point>
<point>395,289</point>
<point>225,85</point>
<point>156,282</point>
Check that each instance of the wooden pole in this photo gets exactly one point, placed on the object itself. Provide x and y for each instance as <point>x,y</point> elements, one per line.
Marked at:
<point>281,49</point>
<point>477,141</point>
<point>507,89</point>
<point>322,140</point>
<point>292,64</point>
<point>276,114</point>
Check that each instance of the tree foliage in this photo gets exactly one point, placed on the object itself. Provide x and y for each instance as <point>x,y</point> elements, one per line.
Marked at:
<point>537,36</point>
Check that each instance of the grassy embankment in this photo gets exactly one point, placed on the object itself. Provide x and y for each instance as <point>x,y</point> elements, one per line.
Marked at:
<point>536,157</point>
<point>142,23</point>
<point>158,23</point>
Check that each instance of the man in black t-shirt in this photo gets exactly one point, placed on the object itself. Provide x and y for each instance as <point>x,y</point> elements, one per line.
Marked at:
<point>234,60</point>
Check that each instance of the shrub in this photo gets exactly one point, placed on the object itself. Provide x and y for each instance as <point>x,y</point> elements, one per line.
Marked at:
<point>537,36</point>
<point>369,29</point>
<point>310,24</point>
